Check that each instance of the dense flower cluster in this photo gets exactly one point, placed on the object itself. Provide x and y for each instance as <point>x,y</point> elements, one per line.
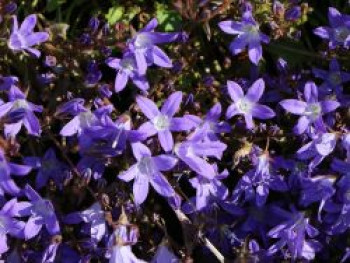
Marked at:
<point>257,169</point>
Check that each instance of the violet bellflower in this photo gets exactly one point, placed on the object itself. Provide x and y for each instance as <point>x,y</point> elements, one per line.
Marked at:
<point>40,211</point>
<point>247,105</point>
<point>338,34</point>
<point>293,234</point>
<point>17,112</point>
<point>248,35</point>
<point>147,171</point>
<point>194,153</point>
<point>208,190</point>
<point>320,147</point>
<point>145,50</point>
<point>7,184</point>
<point>9,224</point>
<point>255,185</point>
<point>163,122</point>
<point>210,125</point>
<point>333,79</point>
<point>23,38</point>
<point>126,68</point>
<point>49,167</point>
<point>311,110</point>
<point>6,83</point>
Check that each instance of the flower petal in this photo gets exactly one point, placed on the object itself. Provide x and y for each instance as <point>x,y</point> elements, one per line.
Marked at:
<point>148,107</point>
<point>172,104</point>
<point>255,92</point>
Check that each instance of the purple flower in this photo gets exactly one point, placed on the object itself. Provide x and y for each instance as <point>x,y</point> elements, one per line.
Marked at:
<point>311,110</point>
<point>143,47</point>
<point>49,167</point>
<point>6,83</point>
<point>247,105</point>
<point>96,217</point>
<point>193,152</point>
<point>338,33</point>
<point>17,112</point>
<point>147,171</point>
<point>127,69</point>
<point>293,235</point>
<point>346,145</point>
<point>255,185</point>
<point>317,189</point>
<point>210,125</point>
<point>7,184</point>
<point>9,225</point>
<point>248,35</point>
<point>207,189</point>
<point>40,211</point>
<point>162,122</point>
<point>333,79</point>
<point>24,37</point>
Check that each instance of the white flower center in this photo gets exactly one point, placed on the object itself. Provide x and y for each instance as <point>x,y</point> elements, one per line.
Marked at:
<point>146,165</point>
<point>244,105</point>
<point>313,110</point>
<point>86,119</point>
<point>128,64</point>
<point>161,122</point>
<point>335,78</point>
<point>341,33</point>
<point>142,41</point>
<point>20,104</point>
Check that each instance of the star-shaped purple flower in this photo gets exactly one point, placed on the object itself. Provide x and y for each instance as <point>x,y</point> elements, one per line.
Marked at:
<point>24,37</point>
<point>333,79</point>
<point>9,225</point>
<point>147,171</point>
<point>49,167</point>
<point>338,33</point>
<point>143,46</point>
<point>40,211</point>
<point>163,122</point>
<point>247,105</point>
<point>7,184</point>
<point>311,110</point>
<point>17,112</point>
<point>248,35</point>
<point>126,68</point>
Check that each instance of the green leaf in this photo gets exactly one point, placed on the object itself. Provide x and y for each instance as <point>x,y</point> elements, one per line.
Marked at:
<point>169,20</point>
<point>114,14</point>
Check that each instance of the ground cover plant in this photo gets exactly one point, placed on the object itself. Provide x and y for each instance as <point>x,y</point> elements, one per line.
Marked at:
<point>174,131</point>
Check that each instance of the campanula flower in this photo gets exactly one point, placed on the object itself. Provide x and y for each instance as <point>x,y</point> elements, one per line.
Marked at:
<point>163,122</point>
<point>148,170</point>
<point>23,38</point>
<point>145,50</point>
<point>126,68</point>
<point>17,112</point>
<point>311,110</point>
<point>320,147</point>
<point>338,33</point>
<point>293,234</point>
<point>40,211</point>
<point>49,167</point>
<point>9,224</point>
<point>248,35</point>
<point>247,105</point>
<point>333,79</point>
<point>7,184</point>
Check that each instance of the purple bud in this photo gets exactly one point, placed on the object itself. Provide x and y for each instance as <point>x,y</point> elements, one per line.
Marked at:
<point>208,80</point>
<point>94,23</point>
<point>293,14</point>
<point>85,39</point>
<point>246,7</point>
<point>106,51</point>
<point>10,8</point>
